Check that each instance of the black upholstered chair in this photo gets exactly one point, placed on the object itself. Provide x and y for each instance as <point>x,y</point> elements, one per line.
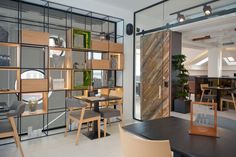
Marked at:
<point>79,114</point>
<point>8,127</point>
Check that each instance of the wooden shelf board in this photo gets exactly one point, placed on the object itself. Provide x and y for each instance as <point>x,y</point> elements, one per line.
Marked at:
<point>10,92</point>
<point>88,50</point>
<point>9,44</point>
<point>79,89</point>
<point>60,48</point>
<point>115,53</point>
<point>59,68</point>
<point>63,89</point>
<point>9,68</point>
<point>42,91</point>
<point>37,112</point>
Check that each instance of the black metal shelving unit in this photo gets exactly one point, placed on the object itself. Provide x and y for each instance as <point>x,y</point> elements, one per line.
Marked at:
<point>57,19</point>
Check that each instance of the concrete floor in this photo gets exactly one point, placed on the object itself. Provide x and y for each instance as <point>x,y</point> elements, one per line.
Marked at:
<point>60,146</point>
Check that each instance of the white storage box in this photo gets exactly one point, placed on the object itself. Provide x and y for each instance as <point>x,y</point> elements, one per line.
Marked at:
<point>58,83</point>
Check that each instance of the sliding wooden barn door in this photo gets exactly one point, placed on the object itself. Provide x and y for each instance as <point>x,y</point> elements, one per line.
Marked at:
<point>155,75</point>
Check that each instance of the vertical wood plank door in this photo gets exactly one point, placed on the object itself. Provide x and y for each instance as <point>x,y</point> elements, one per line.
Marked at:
<point>155,75</point>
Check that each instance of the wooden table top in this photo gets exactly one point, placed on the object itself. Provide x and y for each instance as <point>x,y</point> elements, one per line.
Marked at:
<point>219,88</point>
<point>94,99</point>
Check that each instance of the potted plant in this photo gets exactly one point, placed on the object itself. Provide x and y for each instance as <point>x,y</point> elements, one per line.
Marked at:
<point>181,101</point>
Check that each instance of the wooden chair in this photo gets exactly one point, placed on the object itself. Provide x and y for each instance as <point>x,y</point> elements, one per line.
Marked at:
<point>134,146</point>
<point>8,127</point>
<point>109,111</point>
<point>79,114</point>
<point>228,99</point>
<point>208,96</point>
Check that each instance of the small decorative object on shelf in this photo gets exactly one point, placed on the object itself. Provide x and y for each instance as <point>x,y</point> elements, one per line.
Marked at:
<point>58,61</point>
<point>3,35</point>
<point>58,83</point>
<point>4,89</point>
<point>33,104</point>
<point>114,61</point>
<point>77,65</point>
<point>97,83</point>
<point>5,60</point>
<point>111,83</point>
<point>81,38</point>
<point>203,120</point>
<point>102,36</point>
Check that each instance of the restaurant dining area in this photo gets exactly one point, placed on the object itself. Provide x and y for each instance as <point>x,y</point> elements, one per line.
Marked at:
<point>106,78</point>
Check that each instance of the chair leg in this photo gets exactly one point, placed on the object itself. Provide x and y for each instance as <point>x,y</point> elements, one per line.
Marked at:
<point>221,105</point>
<point>67,126</point>
<point>88,126</point>
<point>109,121</point>
<point>234,105</point>
<point>15,141</point>
<point>202,96</point>
<point>78,133</point>
<point>16,135</point>
<point>105,127</point>
<point>99,132</point>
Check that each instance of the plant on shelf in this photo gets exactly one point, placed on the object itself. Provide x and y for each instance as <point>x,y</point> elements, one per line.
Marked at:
<point>181,102</point>
<point>33,103</point>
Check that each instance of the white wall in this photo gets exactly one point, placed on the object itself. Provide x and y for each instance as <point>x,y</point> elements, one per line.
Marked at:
<point>107,9</point>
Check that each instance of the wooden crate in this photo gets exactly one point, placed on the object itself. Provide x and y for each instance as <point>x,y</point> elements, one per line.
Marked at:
<point>99,45</point>
<point>115,47</point>
<point>99,64</point>
<point>34,37</point>
<point>34,85</point>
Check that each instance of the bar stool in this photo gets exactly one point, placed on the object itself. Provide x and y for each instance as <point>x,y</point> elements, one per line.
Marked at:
<point>8,128</point>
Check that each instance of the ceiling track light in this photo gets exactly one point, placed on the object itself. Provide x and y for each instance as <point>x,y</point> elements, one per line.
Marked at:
<point>207,10</point>
<point>180,17</point>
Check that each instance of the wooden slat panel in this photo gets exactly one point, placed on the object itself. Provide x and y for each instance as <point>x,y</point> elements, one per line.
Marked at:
<point>34,85</point>
<point>154,74</point>
<point>99,45</point>
<point>33,37</point>
<point>99,64</point>
<point>115,47</point>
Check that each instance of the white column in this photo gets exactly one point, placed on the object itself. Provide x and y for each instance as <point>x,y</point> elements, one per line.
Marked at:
<point>214,62</point>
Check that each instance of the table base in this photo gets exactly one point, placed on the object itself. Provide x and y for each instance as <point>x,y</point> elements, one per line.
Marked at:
<point>94,134</point>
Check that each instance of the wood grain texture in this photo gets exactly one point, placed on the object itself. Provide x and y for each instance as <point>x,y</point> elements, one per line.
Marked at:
<point>34,85</point>
<point>99,45</point>
<point>155,71</point>
<point>33,37</point>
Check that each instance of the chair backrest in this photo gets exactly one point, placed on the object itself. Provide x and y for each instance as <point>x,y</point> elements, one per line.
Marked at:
<point>134,146</point>
<point>75,103</point>
<point>202,86</point>
<point>191,85</point>
<point>16,109</point>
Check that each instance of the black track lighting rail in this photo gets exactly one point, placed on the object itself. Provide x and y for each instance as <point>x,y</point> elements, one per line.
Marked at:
<point>196,6</point>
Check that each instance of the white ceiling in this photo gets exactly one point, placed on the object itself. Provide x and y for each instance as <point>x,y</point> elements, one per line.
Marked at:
<point>221,30</point>
<point>131,5</point>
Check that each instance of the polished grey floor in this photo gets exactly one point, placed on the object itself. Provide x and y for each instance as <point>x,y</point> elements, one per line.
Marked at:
<point>60,146</point>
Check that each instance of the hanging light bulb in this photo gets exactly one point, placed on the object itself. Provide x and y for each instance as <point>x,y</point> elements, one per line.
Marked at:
<point>180,17</point>
<point>207,10</point>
